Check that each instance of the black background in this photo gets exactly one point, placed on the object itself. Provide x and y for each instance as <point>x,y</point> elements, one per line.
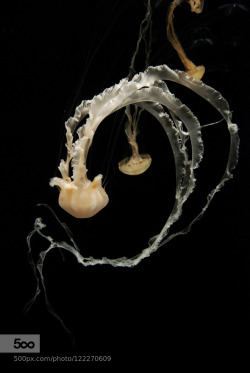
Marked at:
<point>189,300</point>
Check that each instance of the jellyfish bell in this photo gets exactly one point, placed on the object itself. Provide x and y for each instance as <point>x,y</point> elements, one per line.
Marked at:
<point>196,5</point>
<point>82,201</point>
<point>135,166</point>
<point>197,72</point>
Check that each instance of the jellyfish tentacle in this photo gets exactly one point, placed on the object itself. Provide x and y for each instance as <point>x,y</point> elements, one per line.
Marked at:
<point>211,96</point>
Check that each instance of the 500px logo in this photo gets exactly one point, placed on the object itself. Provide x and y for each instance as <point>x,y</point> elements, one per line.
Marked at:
<point>18,343</point>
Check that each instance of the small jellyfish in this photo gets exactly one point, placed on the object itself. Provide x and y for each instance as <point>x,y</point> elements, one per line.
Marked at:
<point>202,41</point>
<point>232,7</point>
<point>137,163</point>
<point>197,7</point>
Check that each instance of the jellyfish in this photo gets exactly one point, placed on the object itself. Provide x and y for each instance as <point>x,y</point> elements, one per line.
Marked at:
<point>197,7</point>
<point>137,163</point>
<point>144,91</point>
<point>232,7</point>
